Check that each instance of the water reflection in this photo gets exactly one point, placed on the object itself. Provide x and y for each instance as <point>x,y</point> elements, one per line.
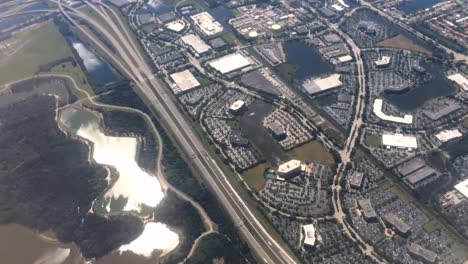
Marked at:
<point>99,71</point>
<point>138,189</point>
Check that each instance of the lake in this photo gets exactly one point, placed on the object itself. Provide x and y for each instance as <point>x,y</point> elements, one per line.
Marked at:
<point>307,58</point>
<point>412,6</point>
<point>99,71</point>
<point>133,190</point>
<point>417,96</point>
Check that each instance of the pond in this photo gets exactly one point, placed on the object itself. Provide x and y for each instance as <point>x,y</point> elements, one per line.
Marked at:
<point>412,6</point>
<point>99,71</point>
<point>417,96</point>
<point>307,59</point>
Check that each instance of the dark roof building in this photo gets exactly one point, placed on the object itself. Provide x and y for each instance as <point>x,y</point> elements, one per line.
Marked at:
<point>218,43</point>
<point>436,114</point>
<point>277,130</point>
<point>356,180</point>
<point>256,80</point>
<point>420,175</point>
<point>411,166</point>
<point>396,223</point>
<point>327,13</point>
<point>421,253</point>
<point>237,139</point>
<point>195,100</point>
<point>367,211</point>
<point>166,17</point>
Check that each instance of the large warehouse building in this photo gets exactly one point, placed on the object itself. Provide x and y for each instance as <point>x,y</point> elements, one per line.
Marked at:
<point>184,81</point>
<point>400,141</point>
<point>206,24</point>
<point>319,85</point>
<point>196,43</point>
<point>230,63</point>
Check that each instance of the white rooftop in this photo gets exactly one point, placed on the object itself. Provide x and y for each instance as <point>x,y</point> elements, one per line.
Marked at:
<point>289,166</point>
<point>176,26</point>
<point>460,80</point>
<point>383,61</point>
<point>237,105</point>
<point>207,24</point>
<point>345,58</point>
<point>196,43</point>
<point>322,84</point>
<point>309,234</point>
<point>184,81</point>
<point>378,103</point>
<point>230,63</point>
<point>399,141</point>
<point>446,135</point>
<point>337,7</point>
<point>462,187</point>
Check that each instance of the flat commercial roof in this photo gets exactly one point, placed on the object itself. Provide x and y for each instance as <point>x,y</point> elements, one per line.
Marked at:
<point>411,166</point>
<point>421,174</point>
<point>424,253</point>
<point>460,80</point>
<point>207,24</point>
<point>397,223</point>
<point>446,135</point>
<point>378,103</point>
<point>230,63</point>
<point>176,26</point>
<point>345,58</point>
<point>443,111</point>
<point>383,61</point>
<point>184,81</point>
<point>399,141</point>
<point>317,85</point>
<point>289,166</point>
<point>196,43</point>
<point>356,179</point>
<point>237,105</point>
<point>367,210</point>
<point>309,234</point>
<point>462,187</point>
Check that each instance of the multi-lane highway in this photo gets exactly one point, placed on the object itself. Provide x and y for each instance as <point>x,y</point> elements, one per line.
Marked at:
<point>130,61</point>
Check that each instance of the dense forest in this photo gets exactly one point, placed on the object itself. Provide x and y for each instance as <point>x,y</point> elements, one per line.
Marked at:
<point>47,182</point>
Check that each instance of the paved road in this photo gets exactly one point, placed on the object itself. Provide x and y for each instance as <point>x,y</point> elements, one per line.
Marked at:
<point>163,103</point>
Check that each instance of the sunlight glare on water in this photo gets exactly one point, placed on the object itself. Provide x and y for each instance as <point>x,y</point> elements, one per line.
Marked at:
<point>120,152</point>
<point>151,239</point>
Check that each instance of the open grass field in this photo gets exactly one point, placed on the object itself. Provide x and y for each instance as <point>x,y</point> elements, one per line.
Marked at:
<point>372,140</point>
<point>314,152</point>
<point>287,71</point>
<point>44,44</point>
<point>395,189</point>
<point>254,176</point>
<point>431,226</point>
<point>401,42</point>
<point>77,74</point>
